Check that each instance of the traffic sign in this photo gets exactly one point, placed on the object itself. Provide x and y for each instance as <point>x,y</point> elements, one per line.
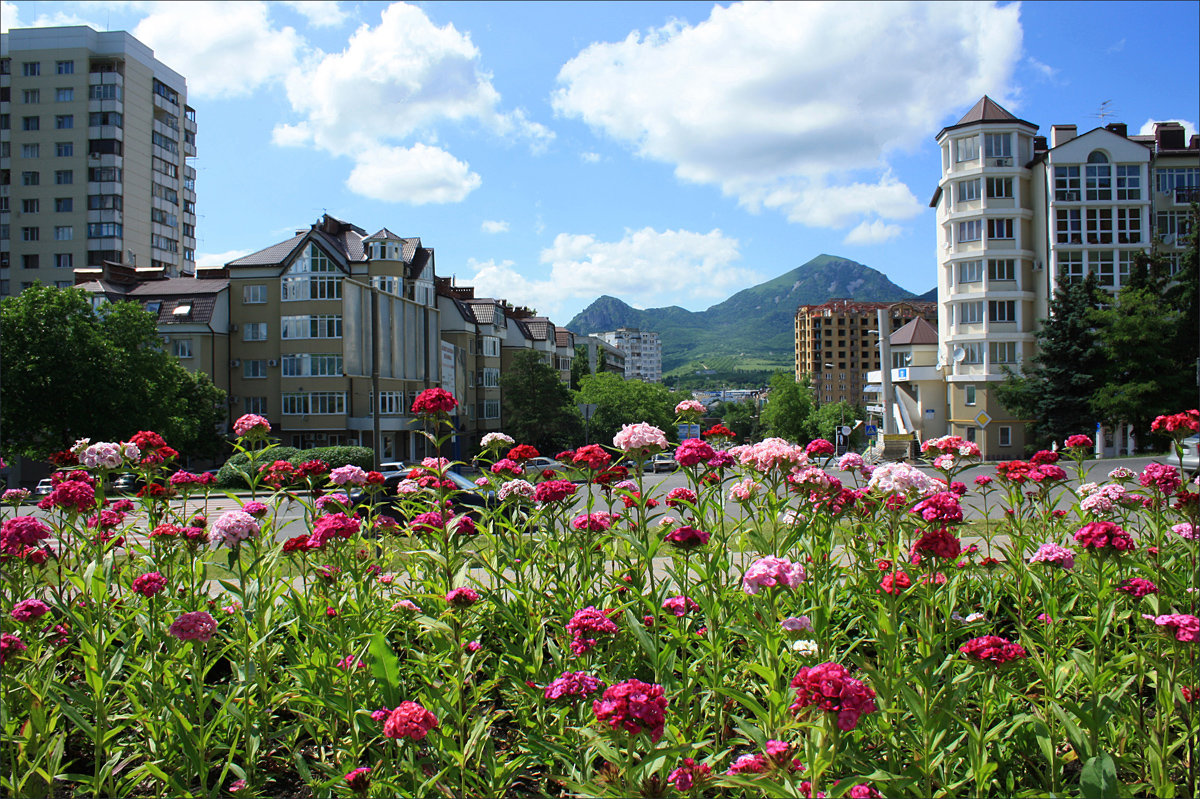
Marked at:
<point>871,429</point>
<point>982,419</point>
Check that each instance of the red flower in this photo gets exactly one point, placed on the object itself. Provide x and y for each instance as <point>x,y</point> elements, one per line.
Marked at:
<point>634,706</point>
<point>593,456</point>
<point>818,447</point>
<point>433,401</point>
<point>830,687</point>
<point>553,490</point>
<point>1104,537</point>
<point>409,720</point>
<point>992,649</point>
<point>719,431</point>
<point>1185,421</point>
<point>523,452</point>
<point>687,537</point>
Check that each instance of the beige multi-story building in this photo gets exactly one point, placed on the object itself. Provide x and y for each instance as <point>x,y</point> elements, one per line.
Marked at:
<point>837,344</point>
<point>1016,215</point>
<point>95,136</point>
<point>642,350</point>
<point>602,356</point>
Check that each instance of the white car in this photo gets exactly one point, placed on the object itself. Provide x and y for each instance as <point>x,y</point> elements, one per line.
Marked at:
<point>44,487</point>
<point>542,463</point>
<point>1191,454</point>
<point>662,462</point>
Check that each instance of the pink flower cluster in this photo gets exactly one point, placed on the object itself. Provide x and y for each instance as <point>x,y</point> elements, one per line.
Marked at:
<point>951,445</point>
<point>686,536</point>
<point>940,543</point>
<point>409,720</point>
<point>251,423</point>
<point>940,507</point>
<point>496,440</point>
<point>197,626</point>
<point>1185,530</point>
<point>1158,475</point>
<point>1078,441</point>
<point>149,584</point>
<point>676,496</point>
<point>851,462</point>
<point>690,406</point>
<point>28,610</point>
<point>9,645</point>
<point>1104,537</point>
<point>585,625</point>
<point>20,532</point>
<point>640,439</point>
<point>1185,627</point>
<point>516,489</point>
<point>554,490</point>
<point>332,525</point>
<point>349,475</point>
<point>233,528</point>
<point>901,478</point>
<point>688,774</point>
<point>633,705</point>
<point>462,597</point>
<point>992,649</point>
<point>771,571</point>
<point>1138,587</point>
<point>597,522</point>
<point>507,466</point>
<point>693,452</point>
<point>1055,555</point>
<point>680,605</point>
<point>744,490</point>
<point>830,687</point>
<point>770,454</point>
<point>573,685</point>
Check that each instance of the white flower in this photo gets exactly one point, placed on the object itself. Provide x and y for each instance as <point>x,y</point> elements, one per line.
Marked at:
<point>805,647</point>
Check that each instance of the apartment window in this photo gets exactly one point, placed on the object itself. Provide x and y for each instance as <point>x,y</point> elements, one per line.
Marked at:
<point>31,69</point>
<point>316,326</point>
<point>105,174</point>
<point>31,150</point>
<point>189,230</point>
<point>30,206</point>
<point>105,202</point>
<point>1002,310</point>
<point>166,92</point>
<point>971,230</point>
<point>304,364</point>
<point>1066,183</point>
<point>30,178</point>
<point>1000,228</point>
<point>31,96</point>
<point>315,403</point>
<point>387,283</point>
<point>103,230</point>
<point>166,143</point>
<point>966,149</point>
<point>1129,225</point>
<point>391,403</point>
<point>1098,176</point>
<point>31,123</point>
<point>164,167</point>
<point>64,233</point>
<point>254,331</point>
<point>254,368</point>
<point>1129,182</point>
<point>105,147</point>
<point>64,177</point>
<point>1004,437</point>
<point>104,91</point>
<point>254,295</point>
<point>64,67</point>
<point>313,276</point>
<point>30,233</point>
<point>29,261</point>
<point>491,347</point>
<point>163,218</point>
<point>1000,188</point>
<point>970,313</point>
<point>164,243</point>
<point>1002,269</point>
<point>64,121</point>
<point>1168,179</point>
<point>970,272</point>
<point>165,194</point>
<point>969,394</point>
<point>64,260</point>
<point>99,119</point>
<point>256,405</point>
<point>1125,261</point>
<point>189,207</point>
<point>64,95</point>
<point>64,149</point>
<point>1003,351</point>
<point>973,353</point>
<point>968,190</point>
<point>491,377</point>
<point>1173,226</point>
<point>182,347</point>
<point>1070,266</point>
<point>998,145</point>
<point>5,121</point>
<point>491,409</point>
<point>1100,262</point>
<point>1069,226</point>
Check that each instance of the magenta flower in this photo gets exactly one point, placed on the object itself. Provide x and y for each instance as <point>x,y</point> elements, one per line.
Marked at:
<point>1104,538</point>
<point>29,610</point>
<point>693,452</point>
<point>20,532</point>
<point>633,705</point>
<point>992,649</point>
<point>1185,627</point>
<point>687,537</point>
<point>769,572</point>
<point>748,764</point>
<point>252,425</point>
<point>830,687</point>
<point>585,625</point>
<point>359,780</point>
<point>593,522</point>
<point>680,605</point>
<point>684,777</point>
<point>233,528</point>
<point>330,526</point>
<point>573,685</point>
<point>149,584</point>
<point>462,597</point>
<point>409,720</point>
<point>819,447</point>
<point>1138,587</point>
<point>434,401</point>
<point>197,626</point>
<point>10,645</point>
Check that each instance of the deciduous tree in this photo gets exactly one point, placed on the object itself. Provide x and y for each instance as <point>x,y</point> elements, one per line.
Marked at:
<point>538,407</point>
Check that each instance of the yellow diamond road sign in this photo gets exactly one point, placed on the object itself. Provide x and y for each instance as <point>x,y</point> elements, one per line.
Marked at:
<point>982,419</point>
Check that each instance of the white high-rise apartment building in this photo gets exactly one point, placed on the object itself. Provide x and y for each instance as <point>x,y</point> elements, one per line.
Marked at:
<point>95,134</point>
<point>642,350</point>
<point>1016,216</point>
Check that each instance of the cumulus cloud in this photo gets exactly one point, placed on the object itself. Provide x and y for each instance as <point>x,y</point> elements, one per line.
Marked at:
<point>796,106</point>
<point>220,258</point>
<point>319,13</point>
<point>494,226</point>
<point>646,268</point>
<point>874,232</point>
<point>590,158</point>
<point>395,82</point>
<point>1189,128</point>
<point>415,175</point>
<point>10,17</point>
<point>224,49</point>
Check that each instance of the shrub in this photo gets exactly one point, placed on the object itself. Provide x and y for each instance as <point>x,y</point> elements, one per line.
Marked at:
<point>232,472</point>
<point>361,457</point>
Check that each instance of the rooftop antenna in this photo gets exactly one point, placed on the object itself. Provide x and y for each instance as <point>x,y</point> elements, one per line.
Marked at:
<point>1106,111</point>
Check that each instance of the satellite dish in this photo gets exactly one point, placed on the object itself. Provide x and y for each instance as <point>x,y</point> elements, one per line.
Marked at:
<point>959,354</point>
<point>908,359</point>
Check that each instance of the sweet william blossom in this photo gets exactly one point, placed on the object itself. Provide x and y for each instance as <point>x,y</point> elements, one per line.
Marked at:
<point>640,439</point>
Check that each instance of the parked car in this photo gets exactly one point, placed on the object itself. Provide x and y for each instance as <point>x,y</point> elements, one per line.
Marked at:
<point>467,498</point>
<point>44,487</point>
<point>128,483</point>
<point>662,462</point>
<point>537,465</point>
<point>393,466</point>
<point>1191,454</point>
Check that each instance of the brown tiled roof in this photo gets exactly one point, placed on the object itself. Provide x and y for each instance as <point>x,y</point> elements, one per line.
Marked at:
<point>918,331</point>
<point>275,254</point>
<point>175,286</point>
<point>563,337</point>
<point>383,235</point>
<point>986,110</point>
<point>484,310</point>
<point>539,327</point>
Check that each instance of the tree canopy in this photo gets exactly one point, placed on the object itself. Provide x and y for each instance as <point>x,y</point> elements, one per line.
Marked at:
<point>538,407</point>
<point>70,371</point>
<point>620,402</point>
<point>788,413</point>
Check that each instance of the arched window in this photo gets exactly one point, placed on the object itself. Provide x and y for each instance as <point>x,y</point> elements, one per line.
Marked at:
<point>1098,177</point>
<point>1097,157</point>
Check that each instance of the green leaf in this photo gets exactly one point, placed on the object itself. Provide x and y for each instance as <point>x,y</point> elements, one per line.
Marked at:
<point>1099,777</point>
<point>385,666</point>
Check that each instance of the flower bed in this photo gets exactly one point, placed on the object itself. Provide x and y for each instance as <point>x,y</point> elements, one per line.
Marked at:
<point>790,624</point>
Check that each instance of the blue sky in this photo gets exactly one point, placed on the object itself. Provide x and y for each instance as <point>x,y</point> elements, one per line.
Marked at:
<point>664,153</point>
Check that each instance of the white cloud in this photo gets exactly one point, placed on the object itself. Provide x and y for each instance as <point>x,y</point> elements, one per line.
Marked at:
<point>416,175</point>
<point>875,232</point>
<point>1189,128</point>
<point>796,106</point>
<point>319,13</point>
<point>220,258</point>
<point>646,268</point>
<point>590,158</point>
<point>10,18</point>
<point>393,83</point>
<point>1045,70</point>
<point>224,49</point>
<point>494,226</point>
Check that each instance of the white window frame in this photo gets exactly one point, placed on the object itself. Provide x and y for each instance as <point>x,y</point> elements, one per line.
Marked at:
<point>1004,437</point>
<point>254,369</point>
<point>970,313</point>
<point>182,347</point>
<point>1067,184</point>
<point>970,271</point>
<point>254,331</point>
<point>1000,188</point>
<point>1003,352</point>
<point>1129,182</point>
<point>997,145</point>
<point>969,394</point>
<point>966,149</point>
<point>1002,269</point>
<point>970,230</point>
<point>967,190</point>
<point>254,294</point>
<point>1002,310</point>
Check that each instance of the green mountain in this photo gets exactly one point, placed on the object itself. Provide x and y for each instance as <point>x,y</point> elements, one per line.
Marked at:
<point>753,329</point>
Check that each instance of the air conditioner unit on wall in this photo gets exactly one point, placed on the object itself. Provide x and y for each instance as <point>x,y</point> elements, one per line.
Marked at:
<point>233,328</point>
<point>235,363</point>
<point>234,399</point>
<point>272,362</point>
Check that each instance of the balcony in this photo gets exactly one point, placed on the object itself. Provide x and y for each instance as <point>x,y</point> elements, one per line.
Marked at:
<point>1187,195</point>
<point>106,132</point>
<point>106,78</point>
<point>105,216</point>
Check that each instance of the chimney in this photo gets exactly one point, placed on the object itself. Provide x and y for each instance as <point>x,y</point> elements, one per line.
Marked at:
<point>1168,136</point>
<point>1118,128</point>
<point>1039,144</point>
<point>1061,134</point>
